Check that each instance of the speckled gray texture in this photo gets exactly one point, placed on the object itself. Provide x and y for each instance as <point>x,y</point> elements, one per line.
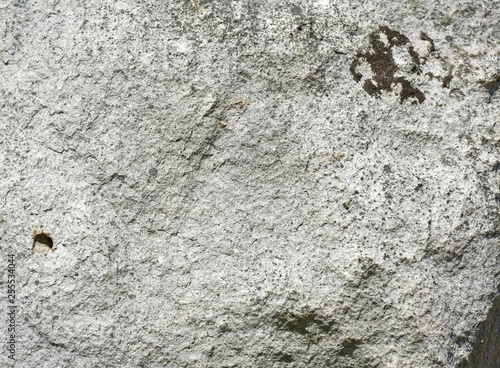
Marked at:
<point>223,189</point>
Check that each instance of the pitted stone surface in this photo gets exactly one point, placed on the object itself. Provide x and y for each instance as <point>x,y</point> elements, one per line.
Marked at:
<point>221,191</point>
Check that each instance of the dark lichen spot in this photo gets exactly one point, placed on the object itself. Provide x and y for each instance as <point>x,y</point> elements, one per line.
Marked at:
<point>415,59</point>
<point>383,66</point>
<point>409,91</point>
<point>446,81</point>
<point>371,88</point>
<point>355,63</point>
<point>394,37</point>
<point>153,171</point>
<point>425,37</point>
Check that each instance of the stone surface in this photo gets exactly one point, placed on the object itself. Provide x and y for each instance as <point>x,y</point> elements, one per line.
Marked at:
<point>252,183</point>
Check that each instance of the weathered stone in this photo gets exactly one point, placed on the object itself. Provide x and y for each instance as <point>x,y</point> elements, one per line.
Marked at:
<point>251,184</point>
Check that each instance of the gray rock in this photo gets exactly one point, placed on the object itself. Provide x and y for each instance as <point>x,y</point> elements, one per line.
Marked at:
<point>251,184</point>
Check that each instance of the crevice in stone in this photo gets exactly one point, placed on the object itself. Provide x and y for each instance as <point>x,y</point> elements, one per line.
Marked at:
<point>486,348</point>
<point>42,243</point>
<point>492,86</point>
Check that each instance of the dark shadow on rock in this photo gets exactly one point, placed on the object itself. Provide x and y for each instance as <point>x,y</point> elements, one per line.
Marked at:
<point>486,348</point>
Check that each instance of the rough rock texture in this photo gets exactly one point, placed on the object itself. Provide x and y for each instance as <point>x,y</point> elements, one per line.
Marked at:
<point>251,183</point>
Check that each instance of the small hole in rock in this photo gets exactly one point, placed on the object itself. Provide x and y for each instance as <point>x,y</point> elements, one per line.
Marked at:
<point>287,358</point>
<point>492,86</point>
<point>42,243</point>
